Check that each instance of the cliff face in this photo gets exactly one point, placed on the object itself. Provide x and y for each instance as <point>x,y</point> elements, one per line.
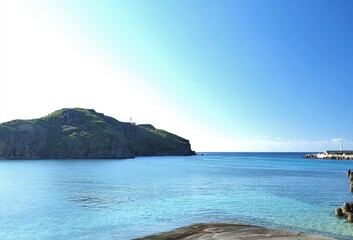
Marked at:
<point>83,133</point>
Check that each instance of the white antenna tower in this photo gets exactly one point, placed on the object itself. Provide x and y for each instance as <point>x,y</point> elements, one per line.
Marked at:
<point>341,147</point>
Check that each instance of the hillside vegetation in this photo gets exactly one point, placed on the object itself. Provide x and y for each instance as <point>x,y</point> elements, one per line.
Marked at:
<point>78,133</point>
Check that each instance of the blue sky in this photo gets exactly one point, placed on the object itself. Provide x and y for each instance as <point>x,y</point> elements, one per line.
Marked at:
<point>228,75</point>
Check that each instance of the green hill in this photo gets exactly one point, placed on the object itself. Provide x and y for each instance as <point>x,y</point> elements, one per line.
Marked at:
<point>78,133</point>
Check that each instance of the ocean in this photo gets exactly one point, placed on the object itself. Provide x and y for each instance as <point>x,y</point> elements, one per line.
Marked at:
<point>125,199</point>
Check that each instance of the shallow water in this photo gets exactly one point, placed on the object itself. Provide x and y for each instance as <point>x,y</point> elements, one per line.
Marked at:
<point>123,199</point>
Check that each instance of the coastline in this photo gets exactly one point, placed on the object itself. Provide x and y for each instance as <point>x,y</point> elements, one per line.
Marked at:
<point>224,231</point>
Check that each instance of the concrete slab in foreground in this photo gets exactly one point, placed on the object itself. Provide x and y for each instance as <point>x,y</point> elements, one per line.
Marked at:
<point>231,231</point>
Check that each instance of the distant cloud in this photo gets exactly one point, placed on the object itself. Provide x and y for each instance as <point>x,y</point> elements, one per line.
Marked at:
<point>337,140</point>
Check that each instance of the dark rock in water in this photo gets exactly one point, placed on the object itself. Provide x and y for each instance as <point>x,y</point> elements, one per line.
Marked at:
<point>346,208</point>
<point>338,212</point>
<point>83,133</point>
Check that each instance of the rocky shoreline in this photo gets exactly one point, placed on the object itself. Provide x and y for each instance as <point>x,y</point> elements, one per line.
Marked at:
<point>228,231</point>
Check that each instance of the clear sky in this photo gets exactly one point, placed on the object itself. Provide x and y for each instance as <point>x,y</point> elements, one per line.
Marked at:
<point>237,75</point>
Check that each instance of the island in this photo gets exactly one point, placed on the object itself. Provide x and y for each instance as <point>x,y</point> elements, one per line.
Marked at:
<point>78,133</point>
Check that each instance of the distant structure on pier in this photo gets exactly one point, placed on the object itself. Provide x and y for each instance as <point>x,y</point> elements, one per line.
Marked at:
<point>341,152</point>
<point>333,154</point>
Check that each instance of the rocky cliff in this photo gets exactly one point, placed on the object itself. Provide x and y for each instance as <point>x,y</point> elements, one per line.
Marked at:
<point>83,133</point>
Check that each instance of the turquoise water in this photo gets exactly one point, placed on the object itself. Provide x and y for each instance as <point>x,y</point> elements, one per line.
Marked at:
<point>123,199</point>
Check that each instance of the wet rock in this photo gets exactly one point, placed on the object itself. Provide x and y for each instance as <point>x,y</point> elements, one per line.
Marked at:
<point>223,231</point>
<point>338,212</point>
<point>346,208</point>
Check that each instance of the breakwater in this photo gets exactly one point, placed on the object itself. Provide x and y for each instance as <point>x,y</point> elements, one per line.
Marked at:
<point>330,156</point>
